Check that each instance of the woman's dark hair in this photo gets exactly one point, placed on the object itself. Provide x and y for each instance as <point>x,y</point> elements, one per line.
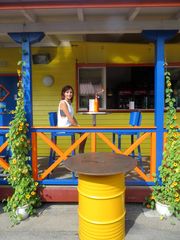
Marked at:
<point>64,89</point>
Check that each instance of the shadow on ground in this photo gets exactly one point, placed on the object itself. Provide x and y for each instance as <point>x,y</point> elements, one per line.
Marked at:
<point>1,208</point>
<point>132,212</point>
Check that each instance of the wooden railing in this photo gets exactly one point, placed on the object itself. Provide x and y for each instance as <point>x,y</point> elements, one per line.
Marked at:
<point>93,133</point>
<point>3,131</point>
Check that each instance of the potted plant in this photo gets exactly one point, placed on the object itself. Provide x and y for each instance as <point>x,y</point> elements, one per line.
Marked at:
<point>167,189</point>
<point>19,174</point>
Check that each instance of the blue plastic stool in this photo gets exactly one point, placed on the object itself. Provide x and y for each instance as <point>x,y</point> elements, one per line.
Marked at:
<point>135,120</point>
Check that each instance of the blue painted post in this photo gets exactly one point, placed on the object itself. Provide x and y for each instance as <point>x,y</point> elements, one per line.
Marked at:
<point>27,80</point>
<point>159,99</point>
<point>159,38</point>
<point>26,39</point>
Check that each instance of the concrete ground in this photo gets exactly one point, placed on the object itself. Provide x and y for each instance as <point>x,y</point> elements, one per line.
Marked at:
<point>60,221</point>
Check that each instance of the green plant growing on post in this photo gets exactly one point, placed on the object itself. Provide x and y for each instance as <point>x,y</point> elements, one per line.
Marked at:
<point>19,173</point>
<point>167,188</point>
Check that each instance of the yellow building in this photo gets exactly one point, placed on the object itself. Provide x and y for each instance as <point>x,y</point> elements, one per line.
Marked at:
<point>63,69</point>
<point>123,35</point>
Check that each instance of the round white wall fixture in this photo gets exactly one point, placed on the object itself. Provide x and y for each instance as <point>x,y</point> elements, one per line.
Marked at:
<point>48,81</point>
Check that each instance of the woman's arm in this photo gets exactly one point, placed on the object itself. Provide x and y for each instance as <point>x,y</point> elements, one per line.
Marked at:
<point>76,121</point>
<point>63,106</point>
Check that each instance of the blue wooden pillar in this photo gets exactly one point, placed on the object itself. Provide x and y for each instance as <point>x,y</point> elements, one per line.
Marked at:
<point>26,39</point>
<point>159,37</point>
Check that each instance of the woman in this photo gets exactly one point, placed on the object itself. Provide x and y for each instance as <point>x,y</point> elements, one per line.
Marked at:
<point>66,113</point>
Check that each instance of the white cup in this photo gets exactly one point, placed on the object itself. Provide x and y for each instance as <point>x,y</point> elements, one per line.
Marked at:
<point>91,105</point>
<point>131,105</point>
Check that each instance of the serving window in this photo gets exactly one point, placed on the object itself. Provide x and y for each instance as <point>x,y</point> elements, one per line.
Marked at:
<point>91,80</point>
<point>125,87</point>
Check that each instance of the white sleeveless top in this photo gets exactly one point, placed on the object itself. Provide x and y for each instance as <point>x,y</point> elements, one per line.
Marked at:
<point>63,120</point>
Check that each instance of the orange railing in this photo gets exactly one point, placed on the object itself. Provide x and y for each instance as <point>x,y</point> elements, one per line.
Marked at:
<point>93,133</point>
<point>3,131</point>
<point>88,132</point>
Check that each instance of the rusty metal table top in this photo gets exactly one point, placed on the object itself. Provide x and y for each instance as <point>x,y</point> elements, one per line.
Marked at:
<point>100,163</point>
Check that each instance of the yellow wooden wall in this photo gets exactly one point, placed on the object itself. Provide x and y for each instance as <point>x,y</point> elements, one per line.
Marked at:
<point>63,68</point>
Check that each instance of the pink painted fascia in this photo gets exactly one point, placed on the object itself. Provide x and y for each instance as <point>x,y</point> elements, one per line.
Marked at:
<point>31,4</point>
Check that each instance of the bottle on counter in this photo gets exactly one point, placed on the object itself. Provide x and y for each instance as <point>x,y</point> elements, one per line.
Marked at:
<point>96,104</point>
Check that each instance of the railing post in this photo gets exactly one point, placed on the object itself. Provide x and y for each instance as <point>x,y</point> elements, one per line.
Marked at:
<point>93,142</point>
<point>34,156</point>
<point>153,155</point>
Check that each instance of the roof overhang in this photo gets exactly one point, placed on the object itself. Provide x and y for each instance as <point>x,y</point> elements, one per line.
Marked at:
<point>35,4</point>
<point>82,20</point>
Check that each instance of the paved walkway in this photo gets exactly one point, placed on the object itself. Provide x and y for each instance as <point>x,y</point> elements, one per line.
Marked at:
<point>60,221</point>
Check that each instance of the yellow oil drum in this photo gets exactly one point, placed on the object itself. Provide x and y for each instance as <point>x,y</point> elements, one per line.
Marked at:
<point>101,207</point>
